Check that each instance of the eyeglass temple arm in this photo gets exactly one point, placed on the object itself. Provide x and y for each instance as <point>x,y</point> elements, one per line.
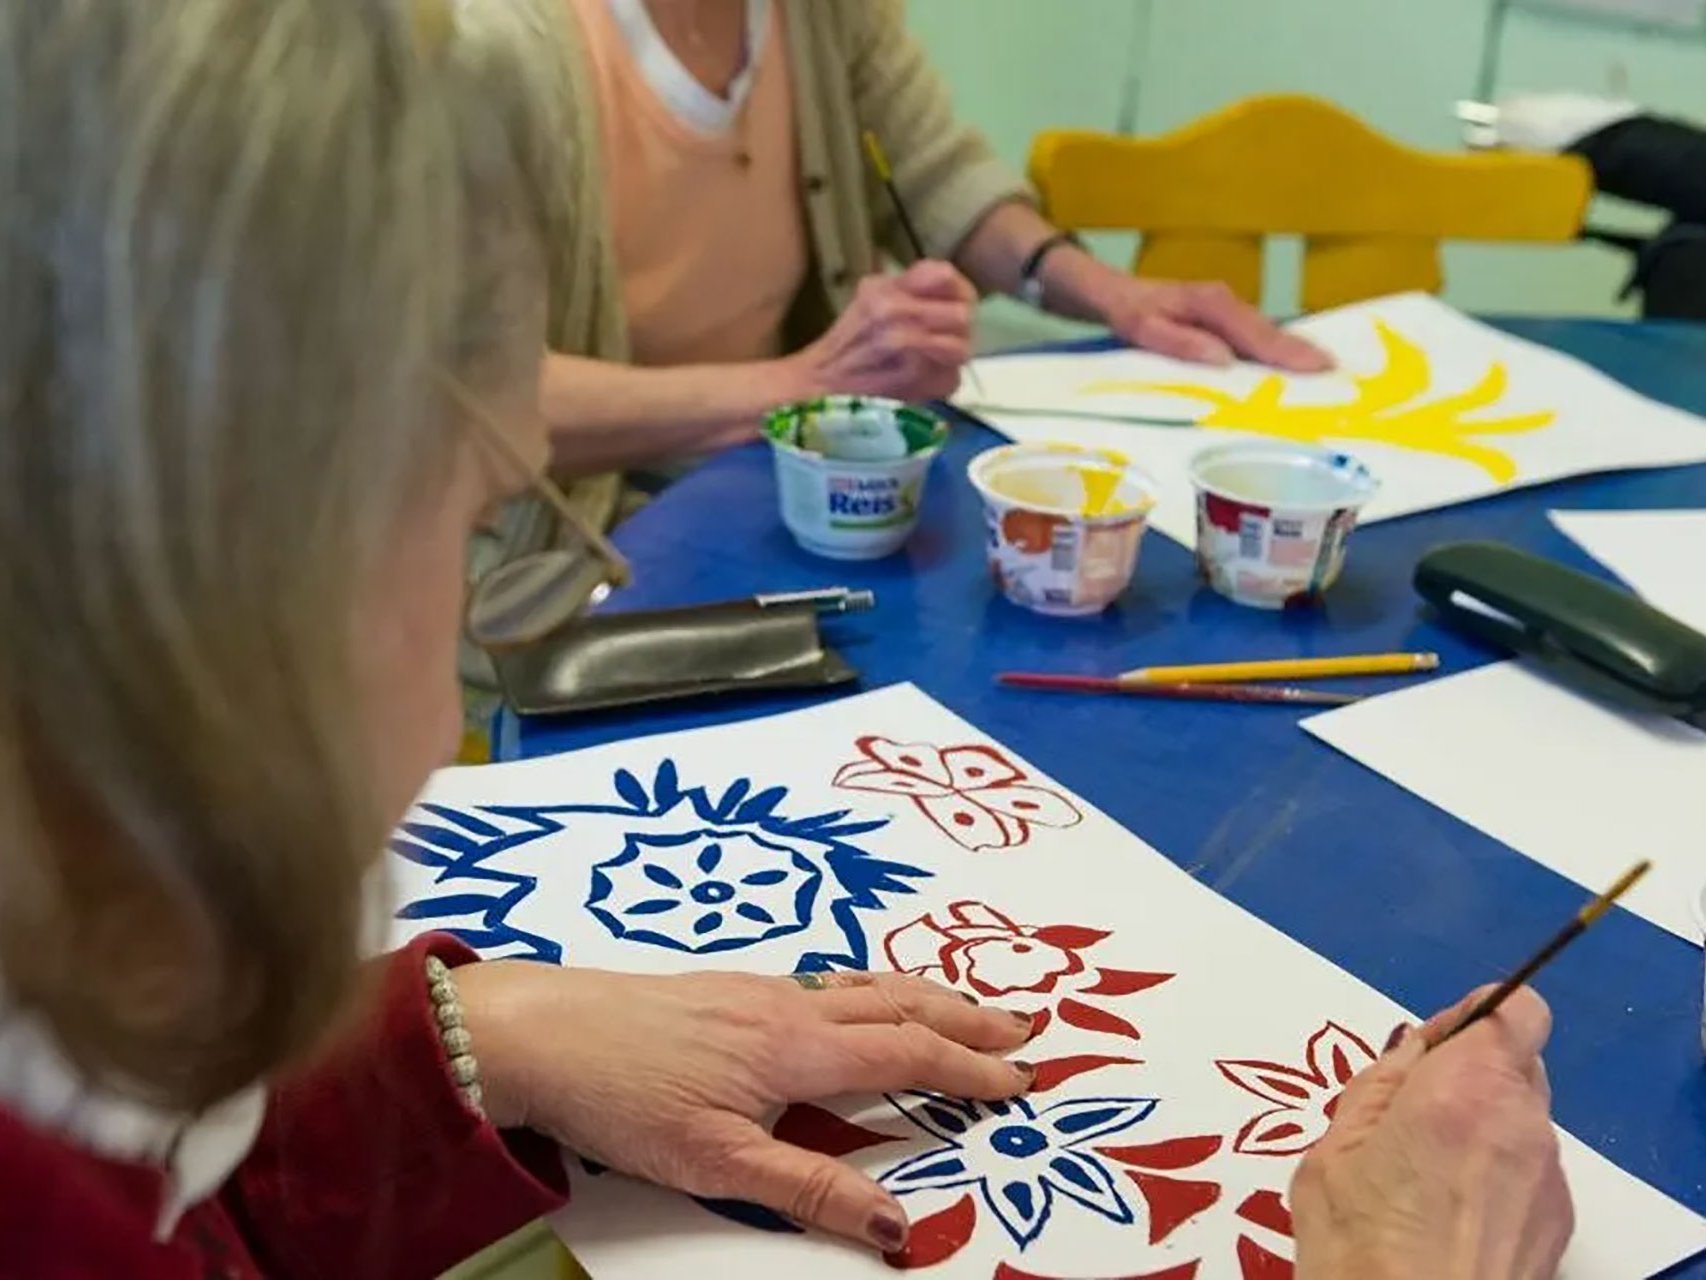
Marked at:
<point>621,571</point>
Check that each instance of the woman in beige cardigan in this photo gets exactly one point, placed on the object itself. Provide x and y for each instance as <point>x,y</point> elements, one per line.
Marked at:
<point>718,237</point>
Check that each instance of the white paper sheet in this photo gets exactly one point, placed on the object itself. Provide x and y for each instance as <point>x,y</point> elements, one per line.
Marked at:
<point>1583,788</point>
<point>1661,555</point>
<point>884,829</point>
<point>1538,415</point>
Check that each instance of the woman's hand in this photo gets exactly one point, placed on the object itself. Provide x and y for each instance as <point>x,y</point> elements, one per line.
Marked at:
<point>905,336</point>
<point>1205,323</point>
<point>1441,1164</point>
<point>674,1079</point>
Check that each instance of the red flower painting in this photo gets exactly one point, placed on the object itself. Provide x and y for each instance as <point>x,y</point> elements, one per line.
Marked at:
<point>980,950</point>
<point>1302,1099</point>
<point>1043,970</point>
<point>977,796</point>
<point>1268,1213</point>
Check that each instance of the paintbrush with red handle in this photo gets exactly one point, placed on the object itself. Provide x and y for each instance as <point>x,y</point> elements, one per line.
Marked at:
<point>1265,694</point>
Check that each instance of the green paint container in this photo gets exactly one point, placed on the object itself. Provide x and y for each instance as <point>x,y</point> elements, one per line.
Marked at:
<point>850,472</point>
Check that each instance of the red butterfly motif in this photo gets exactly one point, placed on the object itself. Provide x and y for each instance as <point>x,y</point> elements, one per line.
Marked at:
<point>977,796</point>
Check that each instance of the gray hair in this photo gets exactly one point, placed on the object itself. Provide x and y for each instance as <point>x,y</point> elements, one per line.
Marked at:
<point>239,239</point>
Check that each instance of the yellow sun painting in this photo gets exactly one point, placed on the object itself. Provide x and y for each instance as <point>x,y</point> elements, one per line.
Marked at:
<point>1390,407</point>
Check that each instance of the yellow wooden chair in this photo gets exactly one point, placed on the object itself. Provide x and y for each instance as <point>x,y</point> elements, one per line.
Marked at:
<point>1372,213</point>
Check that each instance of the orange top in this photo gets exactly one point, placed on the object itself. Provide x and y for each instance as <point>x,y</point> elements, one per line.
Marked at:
<point>710,234</point>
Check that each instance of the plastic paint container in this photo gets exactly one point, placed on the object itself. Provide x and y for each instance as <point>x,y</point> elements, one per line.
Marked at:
<point>850,473</point>
<point>1273,520</point>
<point>1065,524</point>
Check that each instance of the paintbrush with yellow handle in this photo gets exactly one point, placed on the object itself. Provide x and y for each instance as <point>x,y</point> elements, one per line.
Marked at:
<point>885,174</point>
<point>1584,919</point>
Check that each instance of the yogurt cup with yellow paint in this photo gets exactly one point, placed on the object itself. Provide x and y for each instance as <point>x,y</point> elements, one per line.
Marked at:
<point>1065,524</point>
<point>850,472</point>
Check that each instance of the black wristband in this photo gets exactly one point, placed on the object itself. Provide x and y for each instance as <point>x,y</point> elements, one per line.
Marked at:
<point>1030,275</point>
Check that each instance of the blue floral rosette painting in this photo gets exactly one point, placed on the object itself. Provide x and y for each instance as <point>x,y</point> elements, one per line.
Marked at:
<point>660,874</point>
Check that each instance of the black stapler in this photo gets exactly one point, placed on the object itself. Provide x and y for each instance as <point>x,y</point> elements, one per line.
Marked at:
<point>1584,630</point>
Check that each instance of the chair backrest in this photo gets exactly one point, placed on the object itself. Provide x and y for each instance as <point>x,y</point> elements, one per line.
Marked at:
<point>1372,212</point>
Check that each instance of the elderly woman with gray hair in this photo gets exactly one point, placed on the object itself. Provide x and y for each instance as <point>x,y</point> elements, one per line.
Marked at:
<point>271,299</point>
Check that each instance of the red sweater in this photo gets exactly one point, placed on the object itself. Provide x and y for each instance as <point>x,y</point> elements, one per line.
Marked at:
<point>369,1167</point>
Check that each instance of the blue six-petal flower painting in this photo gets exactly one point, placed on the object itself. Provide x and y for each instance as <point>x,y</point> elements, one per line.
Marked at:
<point>1020,1157</point>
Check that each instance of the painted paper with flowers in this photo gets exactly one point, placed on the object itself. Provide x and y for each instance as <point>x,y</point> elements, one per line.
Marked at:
<point>1443,408</point>
<point>1187,1053</point>
<point>1302,1099</point>
<point>977,796</point>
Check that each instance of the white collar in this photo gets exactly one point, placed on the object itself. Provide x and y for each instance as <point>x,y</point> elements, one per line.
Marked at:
<point>679,88</point>
<point>196,1153</point>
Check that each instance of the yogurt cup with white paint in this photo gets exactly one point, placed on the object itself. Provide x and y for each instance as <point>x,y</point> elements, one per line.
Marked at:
<point>1273,520</point>
<point>1065,524</point>
<point>851,471</point>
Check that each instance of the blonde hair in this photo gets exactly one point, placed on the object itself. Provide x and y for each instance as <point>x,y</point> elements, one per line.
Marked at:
<point>238,240</point>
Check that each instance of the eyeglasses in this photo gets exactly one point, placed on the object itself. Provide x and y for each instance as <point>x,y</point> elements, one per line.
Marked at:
<point>525,600</point>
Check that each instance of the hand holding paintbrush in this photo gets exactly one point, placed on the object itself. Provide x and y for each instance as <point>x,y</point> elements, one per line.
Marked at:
<point>885,174</point>
<point>1435,1162</point>
<point>903,337</point>
<point>1442,1121</point>
<point>1579,924</point>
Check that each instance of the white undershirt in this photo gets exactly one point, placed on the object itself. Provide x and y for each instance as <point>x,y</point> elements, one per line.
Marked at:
<point>677,87</point>
<point>196,1153</point>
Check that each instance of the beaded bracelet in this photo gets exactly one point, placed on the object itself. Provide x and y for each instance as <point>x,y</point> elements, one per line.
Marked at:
<point>447,1009</point>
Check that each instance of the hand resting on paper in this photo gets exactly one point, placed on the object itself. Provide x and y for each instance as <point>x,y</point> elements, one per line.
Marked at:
<point>672,1079</point>
<point>1204,323</point>
<point>1441,1164</point>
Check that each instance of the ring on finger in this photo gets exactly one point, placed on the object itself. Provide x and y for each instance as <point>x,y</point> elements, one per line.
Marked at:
<point>810,981</point>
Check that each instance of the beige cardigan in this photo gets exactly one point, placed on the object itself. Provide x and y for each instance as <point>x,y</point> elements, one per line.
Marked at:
<point>855,67</point>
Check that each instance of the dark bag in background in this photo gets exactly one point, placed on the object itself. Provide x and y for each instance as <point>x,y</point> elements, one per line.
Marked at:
<point>1662,163</point>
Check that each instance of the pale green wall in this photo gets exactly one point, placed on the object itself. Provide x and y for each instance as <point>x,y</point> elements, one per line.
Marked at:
<point>1018,66</point>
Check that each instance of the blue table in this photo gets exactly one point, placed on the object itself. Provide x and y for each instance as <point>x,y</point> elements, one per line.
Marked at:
<point>1410,900</point>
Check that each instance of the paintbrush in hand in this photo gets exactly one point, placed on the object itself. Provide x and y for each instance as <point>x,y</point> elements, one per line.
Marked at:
<point>885,174</point>
<point>1584,918</point>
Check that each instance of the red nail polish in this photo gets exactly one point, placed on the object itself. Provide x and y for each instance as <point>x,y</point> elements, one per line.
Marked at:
<point>888,1232</point>
<point>1399,1033</point>
<point>967,999</point>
